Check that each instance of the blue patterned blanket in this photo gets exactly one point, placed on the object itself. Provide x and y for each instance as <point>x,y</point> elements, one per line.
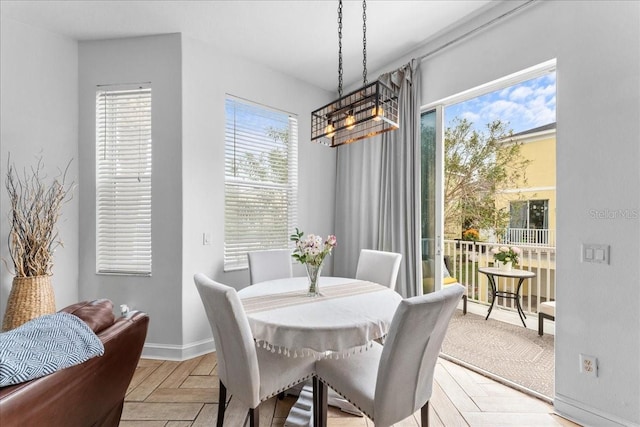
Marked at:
<point>45,345</point>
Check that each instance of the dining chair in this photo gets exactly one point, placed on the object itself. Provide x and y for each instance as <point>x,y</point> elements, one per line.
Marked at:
<point>379,267</point>
<point>269,264</point>
<point>389,383</point>
<point>251,374</point>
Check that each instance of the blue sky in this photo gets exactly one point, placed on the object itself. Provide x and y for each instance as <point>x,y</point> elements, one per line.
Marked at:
<point>525,106</point>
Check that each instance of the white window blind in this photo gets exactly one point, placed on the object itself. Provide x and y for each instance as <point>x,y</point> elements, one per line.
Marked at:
<point>123,181</point>
<point>261,180</point>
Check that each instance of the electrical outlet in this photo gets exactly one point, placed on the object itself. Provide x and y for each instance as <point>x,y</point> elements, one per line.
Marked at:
<point>588,365</point>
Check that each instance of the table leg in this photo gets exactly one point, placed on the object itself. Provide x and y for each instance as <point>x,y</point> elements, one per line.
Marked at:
<point>494,292</point>
<point>518,305</point>
<point>319,403</point>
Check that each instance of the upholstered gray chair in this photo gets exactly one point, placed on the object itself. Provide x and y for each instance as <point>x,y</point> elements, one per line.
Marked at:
<point>250,374</point>
<point>379,267</point>
<point>269,265</point>
<point>389,383</point>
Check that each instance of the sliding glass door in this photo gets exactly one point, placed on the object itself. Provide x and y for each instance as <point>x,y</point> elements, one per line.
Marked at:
<point>431,198</point>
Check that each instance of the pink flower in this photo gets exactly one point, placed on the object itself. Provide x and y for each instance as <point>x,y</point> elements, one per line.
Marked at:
<point>506,253</point>
<point>313,248</point>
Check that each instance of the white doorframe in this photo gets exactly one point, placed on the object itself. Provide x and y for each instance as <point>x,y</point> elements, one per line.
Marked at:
<point>439,258</point>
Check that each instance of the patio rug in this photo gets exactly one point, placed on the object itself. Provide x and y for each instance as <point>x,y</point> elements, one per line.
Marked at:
<point>509,352</point>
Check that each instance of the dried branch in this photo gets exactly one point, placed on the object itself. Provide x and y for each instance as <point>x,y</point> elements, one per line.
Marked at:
<point>35,210</point>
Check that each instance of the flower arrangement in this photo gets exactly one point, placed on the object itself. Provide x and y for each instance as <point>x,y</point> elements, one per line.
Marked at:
<point>312,249</point>
<point>506,254</point>
<point>471,234</point>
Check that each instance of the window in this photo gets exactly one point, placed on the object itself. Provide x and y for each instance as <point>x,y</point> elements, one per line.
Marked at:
<point>483,170</point>
<point>528,221</point>
<point>123,181</point>
<point>261,180</point>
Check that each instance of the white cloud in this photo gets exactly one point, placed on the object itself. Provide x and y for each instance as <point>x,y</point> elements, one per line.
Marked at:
<point>520,93</point>
<point>501,110</point>
<point>546,90</point>
<point>524,106</point>
<point>471,116</point>
<point>504,93</point>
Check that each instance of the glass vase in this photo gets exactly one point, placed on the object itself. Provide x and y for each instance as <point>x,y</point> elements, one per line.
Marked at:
<point>313,273</point>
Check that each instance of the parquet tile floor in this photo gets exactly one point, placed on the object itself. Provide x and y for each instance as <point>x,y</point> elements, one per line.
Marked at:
<point>181,394</point>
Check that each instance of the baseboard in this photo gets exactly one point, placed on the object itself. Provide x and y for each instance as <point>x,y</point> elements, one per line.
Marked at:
<point>177,352</point>
<point>580,413</point>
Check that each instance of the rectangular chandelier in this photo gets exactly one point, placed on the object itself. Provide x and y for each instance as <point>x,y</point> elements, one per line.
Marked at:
<point>363,113</point>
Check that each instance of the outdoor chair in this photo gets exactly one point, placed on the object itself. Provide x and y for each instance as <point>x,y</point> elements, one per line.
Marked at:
<point>547,310</point>
<point>428,282</point>
<point>448,280</point>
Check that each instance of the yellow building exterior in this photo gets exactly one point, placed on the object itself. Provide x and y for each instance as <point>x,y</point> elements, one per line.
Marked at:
<point>532,204</point>
<point>534,224</point>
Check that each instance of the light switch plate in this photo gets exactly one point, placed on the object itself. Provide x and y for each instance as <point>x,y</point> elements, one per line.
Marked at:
<point>595,253</point>
<point>588,254</point>
<point>206,238</point>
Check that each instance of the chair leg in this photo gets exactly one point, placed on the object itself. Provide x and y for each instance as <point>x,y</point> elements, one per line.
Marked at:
<point>222,402</point>
<point>319,403</point>
<point>464,304</point>
<point>540,324</point>
<point>541,317</point>
<point>424,415</point>
<point>254,417</point>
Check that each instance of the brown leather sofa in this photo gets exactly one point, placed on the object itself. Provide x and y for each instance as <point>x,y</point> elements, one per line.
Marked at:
<point>89,394</point>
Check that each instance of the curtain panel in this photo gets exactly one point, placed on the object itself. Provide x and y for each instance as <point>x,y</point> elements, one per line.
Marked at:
<point>378,189</point>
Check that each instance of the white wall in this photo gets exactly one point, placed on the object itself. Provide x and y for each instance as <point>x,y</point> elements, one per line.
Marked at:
<point>189,82</point>
<point>155,59</point>
<point>39,117</point>
<point>597,46</point>
<point>207,76</point>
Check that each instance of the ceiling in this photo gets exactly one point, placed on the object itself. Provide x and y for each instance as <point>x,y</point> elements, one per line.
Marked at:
<point>298,38</point>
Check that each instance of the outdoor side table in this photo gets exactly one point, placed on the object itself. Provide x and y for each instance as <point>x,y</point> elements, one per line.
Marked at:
<point>514,273</point>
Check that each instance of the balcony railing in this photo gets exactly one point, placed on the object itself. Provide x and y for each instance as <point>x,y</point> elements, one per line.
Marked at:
<point>466,257</point>
<point>530,237</point>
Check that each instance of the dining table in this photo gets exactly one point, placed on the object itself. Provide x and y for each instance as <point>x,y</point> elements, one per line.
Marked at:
<point>345,318</point>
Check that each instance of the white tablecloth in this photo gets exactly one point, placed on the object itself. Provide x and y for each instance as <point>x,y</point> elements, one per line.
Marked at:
<point>347,316</point>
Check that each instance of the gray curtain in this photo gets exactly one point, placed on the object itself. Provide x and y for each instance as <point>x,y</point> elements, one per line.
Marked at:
<point>378,189</point>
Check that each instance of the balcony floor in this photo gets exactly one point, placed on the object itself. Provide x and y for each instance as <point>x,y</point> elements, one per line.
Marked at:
<point>502,349</point>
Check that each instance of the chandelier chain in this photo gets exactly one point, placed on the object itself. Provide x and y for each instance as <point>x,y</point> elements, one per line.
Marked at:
<point>340,48</point>
<point>362,113</point>
<point>364,41</point>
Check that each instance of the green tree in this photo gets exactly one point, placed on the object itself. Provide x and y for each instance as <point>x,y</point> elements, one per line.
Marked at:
<point>267,166</point>
<point>277,157</point>
<point>478,166</point>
